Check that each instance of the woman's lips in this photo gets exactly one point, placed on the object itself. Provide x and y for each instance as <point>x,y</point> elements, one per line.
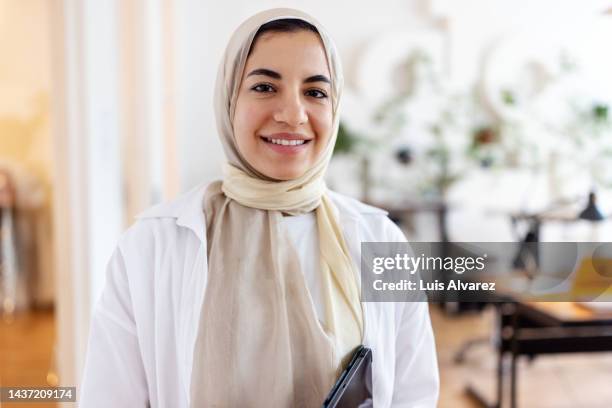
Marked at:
<point>288,139</point>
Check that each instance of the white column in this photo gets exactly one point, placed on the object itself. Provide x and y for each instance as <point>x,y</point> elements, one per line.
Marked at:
<point>88,212</point>
<point>147,100</point>
<point>114,135</point>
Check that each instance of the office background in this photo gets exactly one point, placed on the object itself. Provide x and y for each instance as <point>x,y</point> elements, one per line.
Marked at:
<point>464,118</point>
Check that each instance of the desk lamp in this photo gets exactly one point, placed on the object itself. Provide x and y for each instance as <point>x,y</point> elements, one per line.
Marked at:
<point>591,212</point>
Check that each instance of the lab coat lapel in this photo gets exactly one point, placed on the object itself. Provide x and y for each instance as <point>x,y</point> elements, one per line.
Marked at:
<point>191,216</point>
<point>191,213</point>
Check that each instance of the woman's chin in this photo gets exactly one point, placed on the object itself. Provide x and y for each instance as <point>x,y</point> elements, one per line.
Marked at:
<point>284,174</point>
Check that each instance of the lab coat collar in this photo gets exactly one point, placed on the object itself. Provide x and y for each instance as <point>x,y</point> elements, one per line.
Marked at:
<point>188,210</point>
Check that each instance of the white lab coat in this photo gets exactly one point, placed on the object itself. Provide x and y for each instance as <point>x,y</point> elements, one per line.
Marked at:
<point>144,326</point>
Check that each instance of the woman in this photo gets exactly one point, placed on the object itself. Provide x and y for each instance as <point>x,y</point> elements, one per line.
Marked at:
<point>245,293</point>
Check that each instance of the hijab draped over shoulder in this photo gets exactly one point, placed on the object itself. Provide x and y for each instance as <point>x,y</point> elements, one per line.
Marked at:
<point>259,341</point>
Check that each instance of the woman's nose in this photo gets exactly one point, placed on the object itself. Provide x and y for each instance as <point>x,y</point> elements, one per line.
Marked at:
<point>291,110</point>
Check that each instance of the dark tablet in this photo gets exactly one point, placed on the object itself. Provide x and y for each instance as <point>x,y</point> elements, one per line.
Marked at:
<point>354,387</point>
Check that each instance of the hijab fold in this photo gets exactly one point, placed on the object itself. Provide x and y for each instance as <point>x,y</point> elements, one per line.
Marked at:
<point>259,341</point>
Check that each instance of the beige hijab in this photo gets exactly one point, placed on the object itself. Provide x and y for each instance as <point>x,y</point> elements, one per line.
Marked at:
<point>259,342</point>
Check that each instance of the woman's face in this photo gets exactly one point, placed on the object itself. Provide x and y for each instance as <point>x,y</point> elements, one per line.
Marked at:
<point>283,116</point>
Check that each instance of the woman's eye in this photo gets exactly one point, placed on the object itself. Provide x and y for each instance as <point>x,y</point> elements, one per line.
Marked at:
<point>316,93</point>
<point>263,88</point>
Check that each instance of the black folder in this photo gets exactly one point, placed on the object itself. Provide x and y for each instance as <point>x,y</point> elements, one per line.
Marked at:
<point>354,386</point>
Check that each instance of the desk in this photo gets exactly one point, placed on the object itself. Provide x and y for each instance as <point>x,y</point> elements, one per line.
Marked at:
<point>534,328</point>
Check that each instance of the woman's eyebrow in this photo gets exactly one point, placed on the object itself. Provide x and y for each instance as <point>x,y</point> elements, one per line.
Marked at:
<point>265,72</point>
<point>276,75</point>
<point>317,78</point>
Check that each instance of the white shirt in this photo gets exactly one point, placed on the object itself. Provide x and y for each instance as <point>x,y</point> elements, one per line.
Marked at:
<point>303,233</point>
<point>144,326</point>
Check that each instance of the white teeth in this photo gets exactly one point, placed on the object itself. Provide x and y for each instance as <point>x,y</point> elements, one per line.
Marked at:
<point>285,142</point>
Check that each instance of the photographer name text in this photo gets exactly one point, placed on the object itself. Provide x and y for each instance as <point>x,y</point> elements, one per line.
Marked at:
<point>453,284</point>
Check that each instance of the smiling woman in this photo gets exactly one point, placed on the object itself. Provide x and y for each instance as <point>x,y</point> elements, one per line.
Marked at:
<point>245,292</point>
<point>283,116</point>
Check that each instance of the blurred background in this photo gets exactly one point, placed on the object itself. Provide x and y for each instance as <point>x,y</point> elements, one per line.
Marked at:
<point>468,120</point>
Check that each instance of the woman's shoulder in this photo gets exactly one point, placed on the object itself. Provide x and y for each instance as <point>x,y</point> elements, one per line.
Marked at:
<point>186,213</point>
<point>353,206</point>
<point>188,202</point>
<point>183,214</point>
<point>374,223</point>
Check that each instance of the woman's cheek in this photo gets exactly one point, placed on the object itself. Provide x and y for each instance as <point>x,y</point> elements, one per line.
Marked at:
<point>323,128</point>
<point>254,116</point>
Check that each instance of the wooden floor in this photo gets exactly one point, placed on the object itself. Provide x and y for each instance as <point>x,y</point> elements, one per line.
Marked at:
<point>576,381</point>
<point>26,350</point>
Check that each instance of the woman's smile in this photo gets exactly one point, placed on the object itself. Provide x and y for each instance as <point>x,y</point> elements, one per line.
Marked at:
<point>287,143</point>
